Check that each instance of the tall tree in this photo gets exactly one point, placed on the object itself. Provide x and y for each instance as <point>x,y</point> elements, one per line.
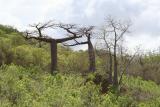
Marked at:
<point>87,31</point>
<point>37,34</point>
<point>116,29</point>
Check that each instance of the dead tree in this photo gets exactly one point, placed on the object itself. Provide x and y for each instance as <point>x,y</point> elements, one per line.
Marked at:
<point>116,30</point>
<point>37,34</point>
<point>108,47</point>
<point>87,31</point>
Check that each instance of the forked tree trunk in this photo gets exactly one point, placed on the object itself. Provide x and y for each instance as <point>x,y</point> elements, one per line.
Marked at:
<point>53,56</point>
<point>92,65</point>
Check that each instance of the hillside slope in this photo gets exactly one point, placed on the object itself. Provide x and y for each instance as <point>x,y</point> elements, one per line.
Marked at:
<point>31,87</point>
<point>25,80</point>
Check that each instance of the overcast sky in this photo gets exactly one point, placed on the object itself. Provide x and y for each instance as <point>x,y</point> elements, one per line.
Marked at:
<point>144,14</point>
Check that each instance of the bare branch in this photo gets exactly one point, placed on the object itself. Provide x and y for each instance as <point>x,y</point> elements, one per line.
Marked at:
<point>29,35</point>
<point>70,28</point>
<point>81,43</point>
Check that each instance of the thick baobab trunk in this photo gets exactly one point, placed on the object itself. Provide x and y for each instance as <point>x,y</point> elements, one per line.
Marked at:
<point>53,56</point>
<point>92,65</point>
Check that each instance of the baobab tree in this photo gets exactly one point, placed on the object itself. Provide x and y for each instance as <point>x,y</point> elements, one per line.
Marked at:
<point>37,34</point>
<point>87,31</point>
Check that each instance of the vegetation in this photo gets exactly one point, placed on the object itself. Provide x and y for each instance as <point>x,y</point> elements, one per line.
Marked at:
<point>26,81</point>
<point>31,87</point>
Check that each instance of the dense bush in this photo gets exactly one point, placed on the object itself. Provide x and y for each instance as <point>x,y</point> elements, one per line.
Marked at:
<point>27,55</point>
<point>7,29</point>
<point>149,69</point>
<point>68,61</point>
<point>32,87</point>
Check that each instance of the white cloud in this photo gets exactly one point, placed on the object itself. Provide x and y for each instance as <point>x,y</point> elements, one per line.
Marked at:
<point>145,15</point>
<point>143,41</point>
